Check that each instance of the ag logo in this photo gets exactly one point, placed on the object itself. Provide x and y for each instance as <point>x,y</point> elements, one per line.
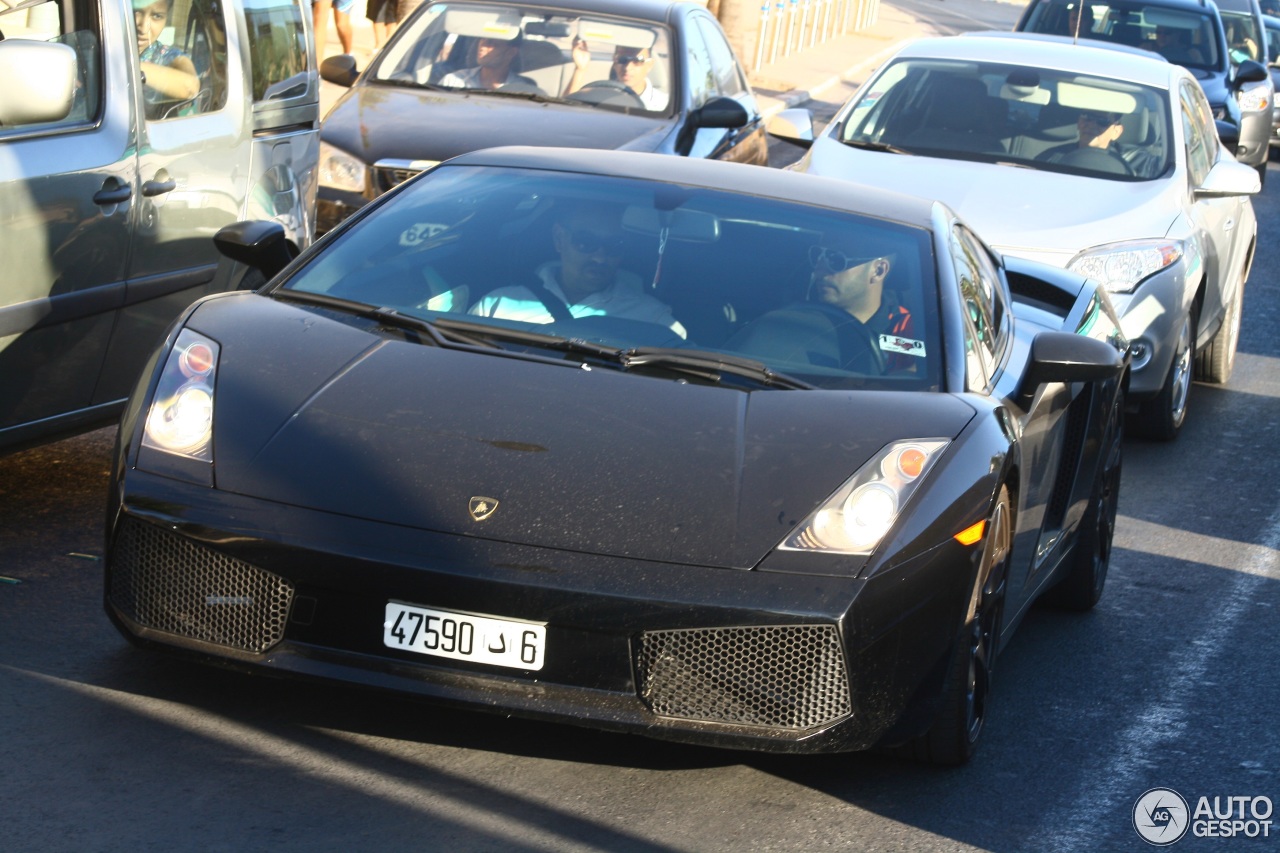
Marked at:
<point>1160,816</point>
<point>481,508</point>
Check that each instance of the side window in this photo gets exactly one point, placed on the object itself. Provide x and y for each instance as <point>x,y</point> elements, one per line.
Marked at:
<point>984,304</point>
<point>31,104</point>
<point>697,57</point>
<point>277,49</point>
<point>183,56</point>
<point>1200,144</point>
<point>724,66</point>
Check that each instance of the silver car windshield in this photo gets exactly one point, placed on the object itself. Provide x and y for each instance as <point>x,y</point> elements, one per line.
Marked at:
<point>501,49</point>
<point>832,299</point>
<point>1022,116</point>
<point>1187,37</point>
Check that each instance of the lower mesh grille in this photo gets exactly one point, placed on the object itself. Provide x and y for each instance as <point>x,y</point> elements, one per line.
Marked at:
<point>161,580</point>
<point>788,676</point>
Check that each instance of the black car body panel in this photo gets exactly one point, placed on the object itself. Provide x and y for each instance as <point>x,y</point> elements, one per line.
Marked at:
<point>644,516</point>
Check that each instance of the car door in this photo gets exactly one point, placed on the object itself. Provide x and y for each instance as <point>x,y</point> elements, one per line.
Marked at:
<point>193,163</point>
<point>714,71</point>
<point>68,192</point>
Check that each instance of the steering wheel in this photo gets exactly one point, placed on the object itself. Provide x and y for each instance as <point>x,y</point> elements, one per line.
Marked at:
<point>1098,160</point>
<point>605,91</point>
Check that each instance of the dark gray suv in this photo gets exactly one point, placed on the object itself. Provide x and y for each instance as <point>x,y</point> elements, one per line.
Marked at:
<point>1190,33</point>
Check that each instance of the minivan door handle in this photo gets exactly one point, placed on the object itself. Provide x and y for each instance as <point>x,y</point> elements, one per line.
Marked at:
<point>157,187</point>
<point>117,194</point>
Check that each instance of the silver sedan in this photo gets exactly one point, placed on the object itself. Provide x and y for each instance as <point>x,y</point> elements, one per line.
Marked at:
<point>1106,162</point>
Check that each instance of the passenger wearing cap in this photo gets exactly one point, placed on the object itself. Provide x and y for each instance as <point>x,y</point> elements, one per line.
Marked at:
<point>630,67</point>
<point>588,280</point>
<point>494,68</point>
<point>169,72</point>
<point>851,277</point>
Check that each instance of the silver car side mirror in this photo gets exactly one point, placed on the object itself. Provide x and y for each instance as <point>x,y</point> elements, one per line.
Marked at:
<point>39,81</point>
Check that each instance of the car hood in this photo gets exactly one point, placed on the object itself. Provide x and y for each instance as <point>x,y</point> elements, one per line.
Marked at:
<point>375,122</point>
<point>1043,216</point>
<point>1214,84</point>
<point>315,413</point>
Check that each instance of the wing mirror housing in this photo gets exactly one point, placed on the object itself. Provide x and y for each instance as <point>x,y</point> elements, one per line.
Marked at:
<point>1067,357</point>
<point>794,125</point>
<point>39,81</point>
<point>722,112</point>
<point>261,245</point>
<point>340,70</point>
<point>1250,71</point>
<point>1228,178</point>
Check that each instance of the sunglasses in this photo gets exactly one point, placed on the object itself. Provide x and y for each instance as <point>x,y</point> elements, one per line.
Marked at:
<point>589,242</point>
<point>632,59</point>
<point>1099,119</point>
<point>835,260</point>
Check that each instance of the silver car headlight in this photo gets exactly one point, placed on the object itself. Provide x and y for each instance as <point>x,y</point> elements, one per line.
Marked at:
<point>180,420</point>
<point>341,171</point>
<point>864,509</point>
<point>1120,267</point>
<point>1254,97</point>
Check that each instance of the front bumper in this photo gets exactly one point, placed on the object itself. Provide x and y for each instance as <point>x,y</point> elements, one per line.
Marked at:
<point>1255,136</point>
<point>753,660</point>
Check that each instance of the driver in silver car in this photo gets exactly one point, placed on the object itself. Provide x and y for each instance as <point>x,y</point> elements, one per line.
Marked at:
<point>630,67</point>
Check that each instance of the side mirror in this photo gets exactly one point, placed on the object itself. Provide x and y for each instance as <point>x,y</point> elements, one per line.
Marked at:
<point>1228,178</point>
<point>261,245</point>
<point>793,125</point>
<point>722,112</point>
<point>1064,357</point>
<point>1250,71</point>
<point>39,81</point>
<point>340,69</point>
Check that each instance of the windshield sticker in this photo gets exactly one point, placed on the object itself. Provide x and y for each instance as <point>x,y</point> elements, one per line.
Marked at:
<point>906,346</point>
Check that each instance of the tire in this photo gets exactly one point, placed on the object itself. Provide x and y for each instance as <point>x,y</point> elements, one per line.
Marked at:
<point>1162,416</point>
<point>1217,360</point>
<point>952,739</point>
<point>1081,588</point>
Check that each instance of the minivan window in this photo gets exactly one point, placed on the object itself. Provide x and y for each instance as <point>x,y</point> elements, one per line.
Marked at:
<point>183,57</point>
<point>277,49</point>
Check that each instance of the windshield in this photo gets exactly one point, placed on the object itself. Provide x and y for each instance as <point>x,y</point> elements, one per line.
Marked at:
<point>1026,117</point>
<point>654,275</point>
<point>591,60</point>
<point>1184,37</point>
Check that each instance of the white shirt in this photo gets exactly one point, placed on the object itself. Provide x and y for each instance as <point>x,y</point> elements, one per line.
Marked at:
<point>624,298</point>
<point>469,78</point>
<point>652,97</point>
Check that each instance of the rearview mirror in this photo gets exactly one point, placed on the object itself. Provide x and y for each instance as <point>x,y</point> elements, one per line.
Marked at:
<point>794,126</point>
<point>1066,357</point>
<point>261,245</point>
<point>340,69</point>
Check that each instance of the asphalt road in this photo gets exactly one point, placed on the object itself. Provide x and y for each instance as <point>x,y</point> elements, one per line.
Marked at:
<point>1170,682</point>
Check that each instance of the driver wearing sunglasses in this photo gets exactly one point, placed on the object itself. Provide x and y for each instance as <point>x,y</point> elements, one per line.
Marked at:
<point>587,280</point>
<point>852,278</point>
<point>630,67</point>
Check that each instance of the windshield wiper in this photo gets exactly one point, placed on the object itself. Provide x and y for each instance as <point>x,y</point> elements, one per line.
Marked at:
<point>539,97</point>
<point>711,366</point>
<point>387,317</point>
<point>868,145</point>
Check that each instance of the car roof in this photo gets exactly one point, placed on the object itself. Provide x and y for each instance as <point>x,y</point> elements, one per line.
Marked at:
<point>779,184</point>
<point>1046,51</point>
<point>648,10</point>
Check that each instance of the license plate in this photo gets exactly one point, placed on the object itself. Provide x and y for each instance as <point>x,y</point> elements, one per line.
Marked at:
<point>464,636</point>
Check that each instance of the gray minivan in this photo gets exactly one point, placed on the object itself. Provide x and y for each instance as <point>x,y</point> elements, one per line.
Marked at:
<point>130,132</point>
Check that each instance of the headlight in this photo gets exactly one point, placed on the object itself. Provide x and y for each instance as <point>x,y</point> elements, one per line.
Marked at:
<point>340,171</point>
<point>1121,266</point>
<point>1254,97</point>
<point>862,511</point>
<point>180,419</point>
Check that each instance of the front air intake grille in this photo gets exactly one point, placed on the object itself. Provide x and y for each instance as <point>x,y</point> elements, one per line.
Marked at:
<point>388,177</point>
<point>785,677</point>
<point>163,581</point>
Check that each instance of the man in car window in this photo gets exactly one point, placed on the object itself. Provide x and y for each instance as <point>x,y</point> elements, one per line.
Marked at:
<point>1101,132</point>
<point>850,275</point>
<point>630,67</point>
<point>494,69</point>
<point>587,280</point>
